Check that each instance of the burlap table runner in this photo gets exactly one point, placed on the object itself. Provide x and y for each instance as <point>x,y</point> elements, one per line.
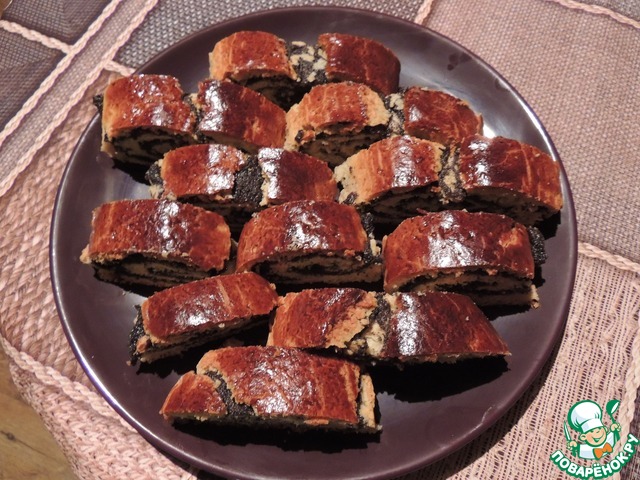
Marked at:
<point>576,62</point>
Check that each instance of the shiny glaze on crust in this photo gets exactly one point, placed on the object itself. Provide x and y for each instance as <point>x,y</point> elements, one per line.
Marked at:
<point>201,170</point>
<point>193,395</point>
<point>278,381</point>
<point>161,229</point>
<point>432,324</point>
<point>295,176</point>
<point>337,107</point>
<point>361,60</point>
<point>506,163</point>
<point>246,54</point>
<point>240,114</point>
<point>397,163</point>
<point>146,101</point>
<point>455,240</point>
<point>299,228</point>
<point>438,116</point>
<point>201,305</point>
<point>321,317</point>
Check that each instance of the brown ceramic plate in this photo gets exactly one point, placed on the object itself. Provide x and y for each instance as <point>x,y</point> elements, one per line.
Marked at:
<point>427,413</point>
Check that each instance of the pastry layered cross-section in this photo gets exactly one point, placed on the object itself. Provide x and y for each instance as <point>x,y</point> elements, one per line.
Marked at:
<point>174,320</point>
<point>225,180</point>
<point>290,176</point>
<point>274,387</point>
<point>334,121</point>
<point>204,175</point>
<point>143,117</point>
<point>484,255</point>
<point>503,175</point>
<point>284,71</point>
<point>432,115</point>
<point>393,178</point>
<point>399,327</point>
<point>231,114</point>
<point>156,243</point>
<point>361,60</point>
<point>257,60</point>
<point>309,242</point>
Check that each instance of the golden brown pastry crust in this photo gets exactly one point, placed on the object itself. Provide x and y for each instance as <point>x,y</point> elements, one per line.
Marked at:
<point>216,302</point>
<point>278,382</point>
<point>438,116</point>
<point>160,229</point>
<point>247,54</point>
<point>201,170</point>
<point>321,318</point>
<point>406,327</point>
<point>193,397</point>
<point>292,176</point>
<point>344,108</point>
<point>431,326</point>
<point>508,164</point>
<point>232,114</point>
<point>361,60</point>
<point>301,228</point>
<point>454,241</point>
<point>395,164</point>
<point>145,101</point>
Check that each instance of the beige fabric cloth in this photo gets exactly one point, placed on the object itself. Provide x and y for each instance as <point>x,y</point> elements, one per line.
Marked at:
<point>581,82</point>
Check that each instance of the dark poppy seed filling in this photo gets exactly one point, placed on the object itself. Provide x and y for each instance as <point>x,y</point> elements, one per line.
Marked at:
<point>248,184</point>
<point>536,238</point>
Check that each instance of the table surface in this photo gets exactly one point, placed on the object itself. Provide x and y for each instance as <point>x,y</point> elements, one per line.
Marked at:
<point>574,61</point>
<point>27,449</point>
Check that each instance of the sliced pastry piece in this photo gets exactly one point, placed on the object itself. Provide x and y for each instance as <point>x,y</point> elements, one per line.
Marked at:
<point>335,120</point>
<point>216,177</point>
<point>259,61</point>
<point>393,178</point>
<point>144,116</point>
<point>502,175</point>
<point>361,60</point>
<point>309,242</point>
<point>156,243</point>
<point>225,180</point>
<point>274,387</point>
<point>291,176</point>
<point>399,327</point>
<point>231,114</point>
<point>174,320</point>
<point>484,255</point>
<point>203,174</point>
<point>432,115</point>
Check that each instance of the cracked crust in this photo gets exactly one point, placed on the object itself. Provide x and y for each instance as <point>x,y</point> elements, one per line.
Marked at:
<point>376,65</point>
<point>504,174</point>
<point>173,241</point>
<point>484,255</point>
<point>438,116</point>
<point>400,327</point>
<point>143,116</point>
<point>235,115</point>
<point>272,386</point>
<point>335,120</point>
<point>248,54</point>
<point>178,318</point>
<point>308,241</point>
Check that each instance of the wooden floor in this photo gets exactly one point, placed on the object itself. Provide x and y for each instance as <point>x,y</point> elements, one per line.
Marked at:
<point>27,450</point>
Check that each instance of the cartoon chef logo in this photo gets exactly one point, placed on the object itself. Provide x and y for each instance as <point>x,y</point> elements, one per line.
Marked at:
<point>595,442</point>
<point>595,439</point>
